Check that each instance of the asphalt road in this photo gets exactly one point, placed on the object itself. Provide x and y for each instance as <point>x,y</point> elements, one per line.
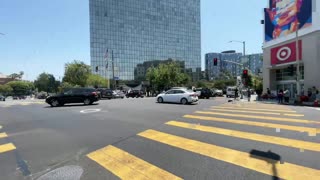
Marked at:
<point>141,139</point>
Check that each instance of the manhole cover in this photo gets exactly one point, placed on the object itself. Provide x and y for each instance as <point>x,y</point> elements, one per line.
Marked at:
<point>90,110</point>
<point>64,173</point>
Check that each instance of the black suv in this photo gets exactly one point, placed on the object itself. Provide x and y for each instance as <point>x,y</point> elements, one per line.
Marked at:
<point>75,95</point>
<point>205,93</point>
<point>135,93</point>
<point>105,93</point>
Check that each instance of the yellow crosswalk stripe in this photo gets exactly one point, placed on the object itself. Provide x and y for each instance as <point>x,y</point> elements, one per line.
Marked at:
<point>255,109</point>
<point>251,136</point>
<point>127,166</point>
<point>256,112</point>
<point>7,147</point>
<point>3,135</point>
<point>260,117</point>
<point>257,105</point>
<point>262,165</point>
<point>311,131</point>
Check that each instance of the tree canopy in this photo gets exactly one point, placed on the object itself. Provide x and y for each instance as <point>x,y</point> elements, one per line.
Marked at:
<point>21,87</point>
<point>77,73</point>
<point>5,89</point>
<point>46,82</point>
<point>96,81</point>
<point>16,76</point>
<point>166,75</point>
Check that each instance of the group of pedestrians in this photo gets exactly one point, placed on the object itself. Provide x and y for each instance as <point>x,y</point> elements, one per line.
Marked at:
<point>283,95</point>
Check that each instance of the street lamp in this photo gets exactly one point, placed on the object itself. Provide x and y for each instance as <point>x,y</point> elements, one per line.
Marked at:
<point>244,45</point>
<point>244,54</point>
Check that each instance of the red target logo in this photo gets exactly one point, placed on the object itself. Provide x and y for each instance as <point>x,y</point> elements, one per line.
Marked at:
<point>284,53</point>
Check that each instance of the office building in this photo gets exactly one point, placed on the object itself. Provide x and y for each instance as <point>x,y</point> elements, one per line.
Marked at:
<point>216,72</point>
<point>229,62</point>
<point>132,32</point>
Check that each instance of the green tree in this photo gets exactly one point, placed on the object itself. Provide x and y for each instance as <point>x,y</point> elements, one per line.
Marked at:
<point>63,86</point>
<point>166,75</point>
<point>222,84</point>
<point>77,73</point>
<point>46,82</point>
<point>16,76</point>
<point>21,87</point>
<point>96,81</point>
<point>5,89</point>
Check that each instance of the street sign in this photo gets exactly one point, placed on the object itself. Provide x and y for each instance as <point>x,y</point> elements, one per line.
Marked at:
<point>244,60</point>
<point>116,78</point>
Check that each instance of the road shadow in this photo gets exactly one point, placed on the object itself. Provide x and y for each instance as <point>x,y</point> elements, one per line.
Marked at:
<point>72,105</point>
<point>270,157</point>
<point>189,104</point>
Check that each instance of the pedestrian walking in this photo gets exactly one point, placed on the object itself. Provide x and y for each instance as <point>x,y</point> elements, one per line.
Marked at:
<point>286,96</point>
<point>249,95</point>
<point>235,93</point>
<point>280,96</point>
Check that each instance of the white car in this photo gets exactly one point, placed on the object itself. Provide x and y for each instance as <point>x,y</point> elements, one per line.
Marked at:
<point>178,96</point>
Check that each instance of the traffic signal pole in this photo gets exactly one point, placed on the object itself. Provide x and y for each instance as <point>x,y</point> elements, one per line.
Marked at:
<point>239,64</point>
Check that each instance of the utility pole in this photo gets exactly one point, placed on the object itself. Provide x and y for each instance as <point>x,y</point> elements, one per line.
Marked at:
<point>298,61</point>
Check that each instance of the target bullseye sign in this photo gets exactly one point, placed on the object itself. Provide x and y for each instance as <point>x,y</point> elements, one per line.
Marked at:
<point>285,53</point>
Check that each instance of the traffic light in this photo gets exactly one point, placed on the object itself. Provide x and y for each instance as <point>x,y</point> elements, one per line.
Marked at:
<point>215,61</point>
<point>291,70</point>
<point>245,73</point>
<point>97,68</point>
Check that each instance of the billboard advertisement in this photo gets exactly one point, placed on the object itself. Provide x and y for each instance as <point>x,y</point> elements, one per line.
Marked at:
<point>286,53</point>
<point>284,17</point>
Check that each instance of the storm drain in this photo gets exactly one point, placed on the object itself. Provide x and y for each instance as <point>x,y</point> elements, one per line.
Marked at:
<point>64,173</point>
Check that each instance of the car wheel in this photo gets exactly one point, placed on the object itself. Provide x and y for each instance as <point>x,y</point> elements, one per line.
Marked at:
<point>54,103</point>
<point>184,101</point>
<point>86,101</point>
<point>160,100</point>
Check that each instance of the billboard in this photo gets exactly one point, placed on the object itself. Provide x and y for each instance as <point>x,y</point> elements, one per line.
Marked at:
<point>284,17</point>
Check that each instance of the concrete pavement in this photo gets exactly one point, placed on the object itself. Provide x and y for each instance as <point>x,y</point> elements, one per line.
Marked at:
<point>140,138</point>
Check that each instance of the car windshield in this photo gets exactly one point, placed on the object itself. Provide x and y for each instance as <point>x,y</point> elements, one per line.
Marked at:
<point>159,89</point>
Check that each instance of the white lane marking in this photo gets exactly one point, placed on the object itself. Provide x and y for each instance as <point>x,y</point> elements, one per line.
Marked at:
<point>85,111</point>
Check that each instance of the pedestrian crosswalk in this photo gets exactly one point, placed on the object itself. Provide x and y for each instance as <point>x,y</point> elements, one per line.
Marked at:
<point>125,165</point>
<point>5,147</point>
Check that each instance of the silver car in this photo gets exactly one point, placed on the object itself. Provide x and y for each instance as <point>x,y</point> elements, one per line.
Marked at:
<point>178,96</point>
<point>2,98</point>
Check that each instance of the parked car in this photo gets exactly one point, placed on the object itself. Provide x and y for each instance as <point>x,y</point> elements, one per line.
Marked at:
<point>105,93</point>
<point>231,91</point>
<point>203,93</point>
<point>178,96</point>
<point>217,92</point>
<point>75,95</point>
<point>135,94</point>
<point>15,98</point>
<point>118,94</point>
<point>42,96</point>
<point>2,98</point>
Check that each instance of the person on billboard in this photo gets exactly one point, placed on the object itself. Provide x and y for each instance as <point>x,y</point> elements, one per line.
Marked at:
<point>286,16</point>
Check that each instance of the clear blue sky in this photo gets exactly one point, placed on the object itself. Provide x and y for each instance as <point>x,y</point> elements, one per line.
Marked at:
<point>42,35</point>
